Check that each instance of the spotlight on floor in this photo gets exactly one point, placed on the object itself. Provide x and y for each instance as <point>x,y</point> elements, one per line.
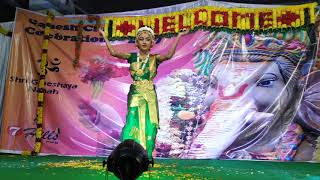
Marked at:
<point>128,160</point>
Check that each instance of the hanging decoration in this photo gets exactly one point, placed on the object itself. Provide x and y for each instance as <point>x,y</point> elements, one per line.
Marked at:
<point>215,18</point>
<point>91,19</point>
<point>41,87</point>
<point>75,62</point>
<point>5,32</point>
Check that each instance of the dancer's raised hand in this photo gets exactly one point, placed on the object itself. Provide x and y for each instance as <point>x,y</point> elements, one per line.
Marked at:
<point>102,33</point>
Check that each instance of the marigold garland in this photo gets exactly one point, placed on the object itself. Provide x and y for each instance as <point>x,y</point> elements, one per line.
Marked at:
<point>259,20</point>
<point>5,32</point>
<point>41,87</point>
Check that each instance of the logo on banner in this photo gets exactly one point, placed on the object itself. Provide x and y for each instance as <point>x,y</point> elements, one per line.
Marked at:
<point>15,131</point>
<point>48,136</point>
<point>53,65</point>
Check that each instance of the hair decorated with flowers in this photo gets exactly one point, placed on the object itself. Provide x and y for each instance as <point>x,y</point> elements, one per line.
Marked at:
<point>145,29</point>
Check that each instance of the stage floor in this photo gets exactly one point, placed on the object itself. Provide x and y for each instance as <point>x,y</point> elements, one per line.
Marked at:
<point>16,167</point>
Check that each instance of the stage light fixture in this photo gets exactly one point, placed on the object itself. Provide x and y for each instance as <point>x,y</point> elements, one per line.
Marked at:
<point>128,160</point>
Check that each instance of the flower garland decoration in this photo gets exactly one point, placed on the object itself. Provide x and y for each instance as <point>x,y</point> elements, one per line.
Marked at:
<point>5,32</point>
<point>41,86</point>
<point>91,18</point>
<point>243,20</point>
<point>75,62</point>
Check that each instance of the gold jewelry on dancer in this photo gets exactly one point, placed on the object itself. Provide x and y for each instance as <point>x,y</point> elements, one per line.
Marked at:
<point>140,71</point>
<point>144,85</point>
<point>145,28</point>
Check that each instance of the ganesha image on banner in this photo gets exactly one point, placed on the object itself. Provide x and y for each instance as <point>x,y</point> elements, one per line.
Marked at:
<point>256,102</point>
<point>247,97</point>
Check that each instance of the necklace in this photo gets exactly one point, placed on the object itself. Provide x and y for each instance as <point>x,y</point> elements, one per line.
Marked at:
<point>140,71</point>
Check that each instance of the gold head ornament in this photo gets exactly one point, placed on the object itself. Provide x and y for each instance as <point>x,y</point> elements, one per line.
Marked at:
<point>147,29</point>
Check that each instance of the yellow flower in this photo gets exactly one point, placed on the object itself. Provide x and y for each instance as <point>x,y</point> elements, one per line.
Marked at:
<point>39,118</point>
<point>38,132</point>
<point>230,18</point>
<point>106,24</point>
<point>160,24</point>
<point>256,20</point>
<point>39,112</point>
<point>209,17</point>
<point>114,27</point>
<point>41,83</point>
<point>176,22</point>
<point>302,16</point>
<point>274,18</point>
<point>137,24</point>
<point>26,153</point>
<point>312,15</point>
<point>119,34</point>
<point>37,147</point>
<point>152,22</point>
<point>192,20</point>
<point>188,18</point>
<point>144,19</point>
<point>238,22</point>
<point>243,23</point>
<point>248,23</point>
<point>148,21</point>
<point>184,19</point>
<point>298,22</point>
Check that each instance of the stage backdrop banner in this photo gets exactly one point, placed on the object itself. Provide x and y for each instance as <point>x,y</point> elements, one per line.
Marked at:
<point>226,93</point>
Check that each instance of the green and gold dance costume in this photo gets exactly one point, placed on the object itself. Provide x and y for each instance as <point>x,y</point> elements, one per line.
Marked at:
<point>142,119</point>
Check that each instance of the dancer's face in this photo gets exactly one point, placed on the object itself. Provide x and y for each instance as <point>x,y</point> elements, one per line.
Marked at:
<point>144,41</point>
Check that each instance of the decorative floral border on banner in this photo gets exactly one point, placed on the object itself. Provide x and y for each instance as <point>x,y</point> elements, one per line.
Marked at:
<point>215,18</point>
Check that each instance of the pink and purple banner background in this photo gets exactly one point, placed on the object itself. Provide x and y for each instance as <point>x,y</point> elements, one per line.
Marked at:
<point>85,108</point>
